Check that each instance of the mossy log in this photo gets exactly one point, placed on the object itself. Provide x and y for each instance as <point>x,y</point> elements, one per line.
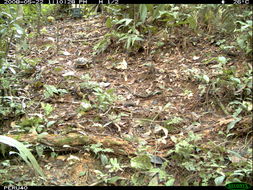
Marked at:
<point>76,142</point>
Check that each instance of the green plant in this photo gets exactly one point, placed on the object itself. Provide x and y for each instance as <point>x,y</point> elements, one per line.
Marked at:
<point>174,121</point>
<point>10,29</point>
<point>146,173</point>
<point>114,165</point>
<point>226,81</point>
<point>85,106</point>
<point>24,153</point>
<point>115,119</point>
<point>51,90</point>
<point>105,98</point>
<point>10,107</point>
<point>97,148</point>
<point>125,31</point>
<point>48,108</point>
<point>130,40</point>
<point>190,154</point>
<point>11,104</point>
<point>13,35</point>
<point>102,45</point>
<point>159,175</point>
<point>244,40</point>
<point>35,122</point>
<point>106,178</point>
<point>142,162</point>
<point>184,148</point>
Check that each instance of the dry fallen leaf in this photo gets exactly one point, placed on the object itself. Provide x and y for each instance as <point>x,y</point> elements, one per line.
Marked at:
<point>69,73</point>
<point>121,65</point>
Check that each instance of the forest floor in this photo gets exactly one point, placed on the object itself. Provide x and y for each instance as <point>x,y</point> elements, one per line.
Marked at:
<point>155,96</point>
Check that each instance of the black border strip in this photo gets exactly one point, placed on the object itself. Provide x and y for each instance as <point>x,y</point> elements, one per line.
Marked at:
<point>111,187</point>
<point>126,1</point>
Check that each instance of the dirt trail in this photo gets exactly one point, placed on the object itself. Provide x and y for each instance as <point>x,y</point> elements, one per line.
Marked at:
<point>147,85</point>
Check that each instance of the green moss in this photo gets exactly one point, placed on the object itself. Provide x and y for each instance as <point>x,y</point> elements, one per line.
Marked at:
<point>83,139</point>
<point>17,137</point>
<point>112,142</point>
<point>64,140</point>
<point>69,140</point>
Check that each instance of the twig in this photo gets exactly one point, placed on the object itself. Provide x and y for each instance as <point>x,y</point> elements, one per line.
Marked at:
<point>57,38</point>
<point>38,21</point>
<point>8,45</point>
<point>96,183</point>
<point>221,105</point>
<point>207,92</point>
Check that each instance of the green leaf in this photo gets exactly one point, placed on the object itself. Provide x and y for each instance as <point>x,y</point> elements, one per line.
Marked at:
<point>240,42</point>
<point>108,23</point>
<point>7,15</point>
<point>39,150</point>
<point>50,123</point>
<point>247,105</point>
<point>62,91</point>
<point>219,180</point>
<point>127,21</point>
<point>24,153</point>
<point>49,90</point>
<point>114,179</point>
<point>143,12</point>
<point>206,78</point>
<point>85,105</point>
<point>157,10</point>
<point>82,174</point>
<point>19,30</point>
<point>104,159</point>
<point>3,31</point>
<point>3,149</point>
<point>170,182</point>
<point>173,138</point>
<point>31,122</point>
<point>232,124</point>
<point>141,162</point>
<point>222,60</point>
<point>153,182</point>
<point>237,80</point>
<point>47,108</point>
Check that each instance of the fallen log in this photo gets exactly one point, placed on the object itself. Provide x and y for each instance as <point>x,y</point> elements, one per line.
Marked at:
<point>75,142</point>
